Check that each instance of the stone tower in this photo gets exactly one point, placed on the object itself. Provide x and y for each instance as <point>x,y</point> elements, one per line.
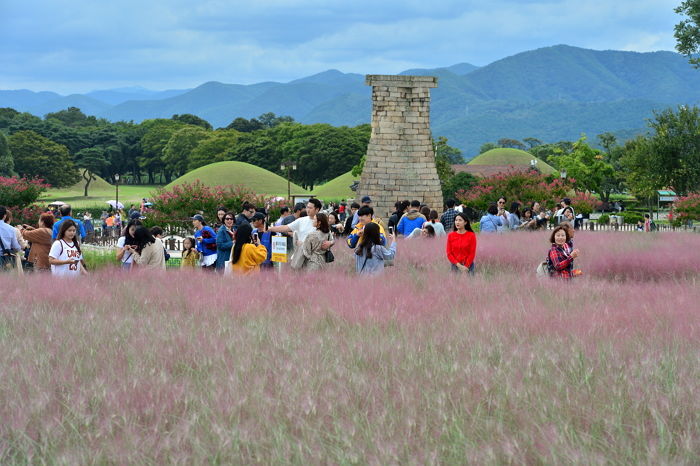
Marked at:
<point>400,161</point>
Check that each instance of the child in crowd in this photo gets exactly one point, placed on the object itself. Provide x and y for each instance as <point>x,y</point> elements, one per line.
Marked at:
<point>190,255</point>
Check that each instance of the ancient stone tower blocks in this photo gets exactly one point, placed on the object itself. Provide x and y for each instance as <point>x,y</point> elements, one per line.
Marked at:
<point>400,162</point>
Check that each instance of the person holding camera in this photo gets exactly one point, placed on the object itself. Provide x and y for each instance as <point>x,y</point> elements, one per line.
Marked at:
<point>247,253</point>
<point>126,244</point>
<point>40,238</point>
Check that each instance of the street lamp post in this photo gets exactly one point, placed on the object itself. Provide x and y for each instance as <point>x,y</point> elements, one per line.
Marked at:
<point>116,203</point>
<point>289,166</point>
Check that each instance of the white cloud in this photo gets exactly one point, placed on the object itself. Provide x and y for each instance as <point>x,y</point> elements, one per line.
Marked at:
<point>80,45</point>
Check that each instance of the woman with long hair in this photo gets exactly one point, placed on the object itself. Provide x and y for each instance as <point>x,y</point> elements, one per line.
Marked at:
<point>247,253</point>
<point>527,222</point>
<point>514,216</point>
<point>40,238</point>
<point>190,255</point>
<point>126,244</point>
<point>560,260</point>
<point>224,240</point>
<point>148,250</point>
<point>335,224</point>
<point>461,245</point>
<point>220,215</point>
<point>65,256</point>
<point>312,248</point>
<point>370,254</point>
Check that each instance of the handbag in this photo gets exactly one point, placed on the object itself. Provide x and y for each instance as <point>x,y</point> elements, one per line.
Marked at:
<point>8,261</point>
<point>328,255</point>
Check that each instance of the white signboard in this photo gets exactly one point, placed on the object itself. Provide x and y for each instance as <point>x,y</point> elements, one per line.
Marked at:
<point>279,249</point>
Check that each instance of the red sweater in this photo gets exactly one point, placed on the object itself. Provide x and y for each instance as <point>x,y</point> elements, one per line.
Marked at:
<point>461,249</point>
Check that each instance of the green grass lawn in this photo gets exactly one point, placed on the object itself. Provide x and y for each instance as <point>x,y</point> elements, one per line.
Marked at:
<point>337,188</point>
<point>128,194</point>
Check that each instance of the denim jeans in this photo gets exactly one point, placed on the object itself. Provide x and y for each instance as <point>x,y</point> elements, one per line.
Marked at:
<point>470,270</point>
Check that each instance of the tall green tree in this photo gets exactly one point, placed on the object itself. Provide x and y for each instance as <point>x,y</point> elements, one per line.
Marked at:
<point>452,155</point>
<point>177,152</point>
<point>673,150</point>
<point>687,32</point>
<point>586,165</point>
<point>90,161</point>
<point>72,116</point>
<point>156,135</point>
<point>7,162</point>
<point>216,147</point>
<point>37,156</point>
<point>193,120</point>
<point>642,174</point>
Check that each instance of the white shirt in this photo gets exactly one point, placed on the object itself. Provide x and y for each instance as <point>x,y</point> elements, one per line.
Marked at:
<point>128,256</point>
<point>63,251</point>
<point>302,227</point>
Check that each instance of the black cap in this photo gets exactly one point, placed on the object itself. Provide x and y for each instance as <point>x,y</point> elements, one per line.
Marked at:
<point>258,216</point>
<point>366,200</point>
<point>197,217</point>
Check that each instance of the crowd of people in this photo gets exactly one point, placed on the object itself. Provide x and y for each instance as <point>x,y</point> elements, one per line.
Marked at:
<point>241,242</point>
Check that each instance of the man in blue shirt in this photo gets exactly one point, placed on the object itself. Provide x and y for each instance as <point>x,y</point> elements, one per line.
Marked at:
<point>66,211</point>
<point>205,237</point>
<point>8,234</point>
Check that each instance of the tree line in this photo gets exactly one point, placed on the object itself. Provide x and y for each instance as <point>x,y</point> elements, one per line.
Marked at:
<point>666,156</point>
<point>66,145</point>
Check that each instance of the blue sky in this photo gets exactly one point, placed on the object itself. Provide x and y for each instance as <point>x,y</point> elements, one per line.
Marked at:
<point>78,46</point>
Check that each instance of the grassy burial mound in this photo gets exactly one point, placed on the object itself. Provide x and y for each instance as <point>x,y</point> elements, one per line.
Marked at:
<point>254,178</point>
<point>97,185</point>
<point>337,188</point>
<point>516,157</point>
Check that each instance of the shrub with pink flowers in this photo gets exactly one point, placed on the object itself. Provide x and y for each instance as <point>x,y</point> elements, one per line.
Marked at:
<point>26,215</point>
<point>584,203</point>
<point>177,205</point>
<point>515,185</point>
<point>687,208</point>
<point>20,192</point>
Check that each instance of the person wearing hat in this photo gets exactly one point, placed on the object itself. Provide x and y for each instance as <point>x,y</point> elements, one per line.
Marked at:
<point>366,201</point>
<point>206,242</point>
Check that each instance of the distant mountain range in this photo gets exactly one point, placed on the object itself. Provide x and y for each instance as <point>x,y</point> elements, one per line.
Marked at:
<point>554,93</point>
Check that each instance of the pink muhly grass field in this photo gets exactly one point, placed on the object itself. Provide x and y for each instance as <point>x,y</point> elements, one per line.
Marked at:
<point>417,366</point>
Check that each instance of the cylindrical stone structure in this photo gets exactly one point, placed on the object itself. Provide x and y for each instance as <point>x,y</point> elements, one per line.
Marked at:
<point>400,161</point>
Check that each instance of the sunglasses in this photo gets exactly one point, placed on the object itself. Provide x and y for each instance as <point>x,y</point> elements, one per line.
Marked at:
<point>228,218</point>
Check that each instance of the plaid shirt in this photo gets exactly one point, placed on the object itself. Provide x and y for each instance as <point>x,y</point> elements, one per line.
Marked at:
<point>448,219</point>
<point>560,262</point>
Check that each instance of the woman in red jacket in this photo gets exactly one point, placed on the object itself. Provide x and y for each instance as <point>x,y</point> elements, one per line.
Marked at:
<point>461,245</point>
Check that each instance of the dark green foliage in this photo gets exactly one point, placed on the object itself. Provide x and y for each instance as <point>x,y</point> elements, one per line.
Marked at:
<point>670,157</point>
<point>687,32</point>
<point>38,157</point>
<point>7,162</point>
<point>194,120</point>
<point>456,182</point>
